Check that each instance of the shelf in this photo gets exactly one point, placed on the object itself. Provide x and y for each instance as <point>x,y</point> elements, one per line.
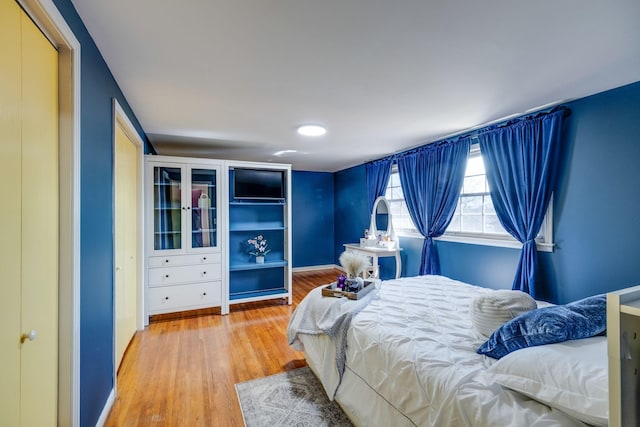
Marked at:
<point>259,203</point>
<point>256,227</point>
<point>204,230</point>
<point>167,184</point>
<point>243,266</point>
<point>257,295</point>
<point>180,208</point>
<point>166,233</point>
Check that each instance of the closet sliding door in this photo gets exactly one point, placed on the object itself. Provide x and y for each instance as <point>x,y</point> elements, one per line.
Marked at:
<point>29,218</point>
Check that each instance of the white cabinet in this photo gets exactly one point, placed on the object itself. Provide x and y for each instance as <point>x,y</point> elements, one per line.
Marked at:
<point>200,215</point>
<point>623,339</point>
<point>184,257</point>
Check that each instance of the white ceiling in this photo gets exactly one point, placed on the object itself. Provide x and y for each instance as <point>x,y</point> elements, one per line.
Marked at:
<point>233,79</point>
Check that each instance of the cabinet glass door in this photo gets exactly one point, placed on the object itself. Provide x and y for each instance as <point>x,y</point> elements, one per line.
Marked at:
<point>204,200</point>
<point>167,215</point>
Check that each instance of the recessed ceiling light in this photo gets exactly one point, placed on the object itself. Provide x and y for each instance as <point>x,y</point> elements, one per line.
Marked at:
<point>311,130</point>
<point>283,152</point>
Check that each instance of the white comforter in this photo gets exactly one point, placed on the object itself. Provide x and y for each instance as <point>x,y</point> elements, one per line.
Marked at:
<point>330,316</point>
<point>414,348</point>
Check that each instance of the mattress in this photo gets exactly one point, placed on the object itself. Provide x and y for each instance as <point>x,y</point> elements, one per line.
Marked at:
<point>411,361</point>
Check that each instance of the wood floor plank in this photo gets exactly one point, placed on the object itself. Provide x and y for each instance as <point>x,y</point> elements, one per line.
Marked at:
<point>182,370</point>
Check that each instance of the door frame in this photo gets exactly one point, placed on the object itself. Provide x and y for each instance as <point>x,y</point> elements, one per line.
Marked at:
<point>47,17</point>
<point>120,118</point>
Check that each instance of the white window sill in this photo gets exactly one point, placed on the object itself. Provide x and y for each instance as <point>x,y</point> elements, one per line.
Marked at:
<point>485,241</point>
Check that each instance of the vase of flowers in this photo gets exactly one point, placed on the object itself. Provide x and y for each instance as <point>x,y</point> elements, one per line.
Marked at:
<point>258,248</point>
<point>353,264</point>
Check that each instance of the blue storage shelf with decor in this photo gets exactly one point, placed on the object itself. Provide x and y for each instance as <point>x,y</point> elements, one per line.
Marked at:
<point>266,215</point>
<point>239,247</point>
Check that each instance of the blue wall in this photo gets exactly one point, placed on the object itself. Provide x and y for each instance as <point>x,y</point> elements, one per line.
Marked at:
<point>312,218</point>
<point>596,210</point>
<point>352,215</point>
<point>98,88</point>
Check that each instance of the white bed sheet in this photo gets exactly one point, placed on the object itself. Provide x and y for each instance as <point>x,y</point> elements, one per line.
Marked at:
<point>411,361</point>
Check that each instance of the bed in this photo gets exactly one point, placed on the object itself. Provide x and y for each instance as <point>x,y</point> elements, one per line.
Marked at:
<point>406,356</point>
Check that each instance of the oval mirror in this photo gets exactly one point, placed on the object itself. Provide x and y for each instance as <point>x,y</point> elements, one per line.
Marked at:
<point>381,219</point>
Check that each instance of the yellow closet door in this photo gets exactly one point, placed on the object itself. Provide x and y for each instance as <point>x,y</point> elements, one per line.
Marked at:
<point>39,373</point>
<point>29,191</point>
<point>10,218</point>
<point>126,241</point>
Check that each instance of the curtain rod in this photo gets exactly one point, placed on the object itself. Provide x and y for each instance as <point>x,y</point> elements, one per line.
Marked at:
<point>473,129</point>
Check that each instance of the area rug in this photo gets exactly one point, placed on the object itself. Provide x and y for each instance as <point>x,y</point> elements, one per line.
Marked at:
<point>293,398</point>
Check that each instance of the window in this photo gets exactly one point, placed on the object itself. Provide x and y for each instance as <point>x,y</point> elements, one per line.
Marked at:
<point>474,213</point>
<point>402,223</point>
<point>475,220</point>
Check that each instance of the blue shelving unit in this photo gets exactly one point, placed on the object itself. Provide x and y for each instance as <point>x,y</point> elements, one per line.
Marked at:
<point>248,280</point>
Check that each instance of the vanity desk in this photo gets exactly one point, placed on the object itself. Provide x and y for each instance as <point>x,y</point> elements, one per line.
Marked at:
<point>375,252</point>
<point>373,246</point>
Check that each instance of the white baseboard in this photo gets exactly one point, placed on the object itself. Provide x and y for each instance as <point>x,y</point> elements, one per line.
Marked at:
<point>316,267</point>
<point>107,408</point>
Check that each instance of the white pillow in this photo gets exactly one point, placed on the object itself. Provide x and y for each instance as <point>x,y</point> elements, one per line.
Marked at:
<point>571,376</point>
<point>492,310</point>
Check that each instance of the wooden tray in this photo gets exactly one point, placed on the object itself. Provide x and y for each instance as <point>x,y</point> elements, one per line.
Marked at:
<point>330,291</point>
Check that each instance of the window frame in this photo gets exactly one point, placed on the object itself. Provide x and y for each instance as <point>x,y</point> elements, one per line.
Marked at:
<point>544,242</point>
<point>399,230</point>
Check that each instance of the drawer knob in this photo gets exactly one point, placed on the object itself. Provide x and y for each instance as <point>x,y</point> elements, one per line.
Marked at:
<point>204,272</point>
<point>204,258</point>
<point>204,294</point>
<point>166,275</point>
<point>166,260</point>
<point>166,298</point>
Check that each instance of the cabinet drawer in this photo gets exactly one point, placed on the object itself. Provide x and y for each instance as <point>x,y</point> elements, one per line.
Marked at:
<point>172,260</point>
<point>184,274</point>
<point>184,297</point>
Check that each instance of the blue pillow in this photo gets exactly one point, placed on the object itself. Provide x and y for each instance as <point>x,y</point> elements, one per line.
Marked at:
<point>580,319</point>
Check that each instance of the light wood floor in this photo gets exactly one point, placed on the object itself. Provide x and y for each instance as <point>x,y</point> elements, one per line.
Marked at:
<point>182,371</point>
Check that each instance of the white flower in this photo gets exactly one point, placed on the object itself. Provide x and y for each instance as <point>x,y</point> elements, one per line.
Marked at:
<point>258,246</point>
<point>353,263</point>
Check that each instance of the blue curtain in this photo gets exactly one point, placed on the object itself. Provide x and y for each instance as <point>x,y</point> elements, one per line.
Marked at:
<point>378,173</point>
<point>522,160</point>
<point>431,178</point>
